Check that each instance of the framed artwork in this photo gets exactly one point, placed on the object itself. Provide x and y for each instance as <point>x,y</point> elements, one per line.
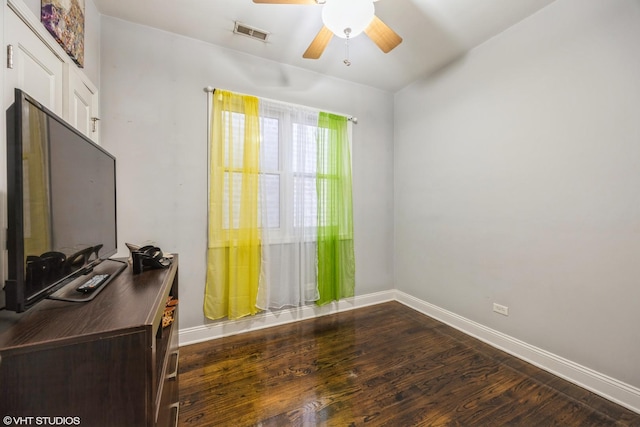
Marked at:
<point>65,21</point>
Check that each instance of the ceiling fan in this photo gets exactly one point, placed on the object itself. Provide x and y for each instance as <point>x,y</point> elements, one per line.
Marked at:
<point>346,19</point>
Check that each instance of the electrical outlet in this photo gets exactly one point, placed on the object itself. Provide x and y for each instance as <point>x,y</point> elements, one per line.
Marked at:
<point>501,309</point>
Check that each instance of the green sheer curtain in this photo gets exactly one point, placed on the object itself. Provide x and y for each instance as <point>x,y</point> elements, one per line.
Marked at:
<point>233,253</point>
<point>336,260</point>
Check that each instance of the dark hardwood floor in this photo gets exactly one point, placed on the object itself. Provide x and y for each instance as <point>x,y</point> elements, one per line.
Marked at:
<point>384,365</point>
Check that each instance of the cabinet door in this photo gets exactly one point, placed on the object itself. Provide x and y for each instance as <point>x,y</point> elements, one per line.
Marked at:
<point>81,103</point>
<point>36,69</point>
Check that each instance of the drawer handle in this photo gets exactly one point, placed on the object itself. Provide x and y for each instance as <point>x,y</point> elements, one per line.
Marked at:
<point>175,406</point>
<point>174,363</point>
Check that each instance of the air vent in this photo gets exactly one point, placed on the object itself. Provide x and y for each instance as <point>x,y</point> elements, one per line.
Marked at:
<point>254,33</point>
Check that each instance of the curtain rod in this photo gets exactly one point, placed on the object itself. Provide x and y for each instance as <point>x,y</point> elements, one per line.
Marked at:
<point>352,119</point>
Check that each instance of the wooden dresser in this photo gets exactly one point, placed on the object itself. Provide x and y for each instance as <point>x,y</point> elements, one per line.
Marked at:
<point>106,362</point>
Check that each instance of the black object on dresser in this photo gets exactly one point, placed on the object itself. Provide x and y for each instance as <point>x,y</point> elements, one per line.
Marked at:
<point>106,362</point>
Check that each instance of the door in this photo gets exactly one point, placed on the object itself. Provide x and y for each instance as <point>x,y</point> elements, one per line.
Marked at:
<point>82,108</point>
<point>36,69</point>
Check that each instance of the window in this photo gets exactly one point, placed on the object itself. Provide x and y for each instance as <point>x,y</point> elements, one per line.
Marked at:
<point>287,200</point>
<point>280,221</point>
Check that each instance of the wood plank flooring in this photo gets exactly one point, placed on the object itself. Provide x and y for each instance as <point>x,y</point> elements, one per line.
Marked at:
<point>384,365</point>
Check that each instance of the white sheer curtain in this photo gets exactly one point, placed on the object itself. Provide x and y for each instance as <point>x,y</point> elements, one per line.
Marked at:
<point>288,205</point>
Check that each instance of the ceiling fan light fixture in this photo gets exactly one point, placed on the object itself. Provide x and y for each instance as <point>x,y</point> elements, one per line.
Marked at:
<point>340,15</point>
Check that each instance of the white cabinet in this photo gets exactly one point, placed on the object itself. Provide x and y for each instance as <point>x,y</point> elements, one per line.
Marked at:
<point>33,66</point>
<point>81,103</point>
<point>36,64</point>
<point>41,68</point>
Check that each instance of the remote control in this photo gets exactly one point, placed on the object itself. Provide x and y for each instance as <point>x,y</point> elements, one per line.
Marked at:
<point>93,283</point>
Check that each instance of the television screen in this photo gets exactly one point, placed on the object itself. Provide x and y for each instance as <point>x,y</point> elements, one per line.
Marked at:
<point>61,203</point>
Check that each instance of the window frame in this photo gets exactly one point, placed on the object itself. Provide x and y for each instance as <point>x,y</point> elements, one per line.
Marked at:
<point>286,176</point>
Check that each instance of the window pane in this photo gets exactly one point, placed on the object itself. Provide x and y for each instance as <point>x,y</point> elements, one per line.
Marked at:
<point>304,148</point>
<point>270,184</point>
<point>270,150</point>
<point>323,161</point>
<point>232,193</point>
<point>234,122</point>
<point>305,206</point>
<point>322,192</point>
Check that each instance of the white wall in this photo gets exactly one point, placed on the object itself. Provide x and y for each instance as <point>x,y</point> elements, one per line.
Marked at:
<point>517,181</point>
<point>154,121</point>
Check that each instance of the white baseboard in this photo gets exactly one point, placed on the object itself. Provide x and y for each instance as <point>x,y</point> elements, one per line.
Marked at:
<point>223,328</point>
<point>600,384</point>
<point>603,385</point>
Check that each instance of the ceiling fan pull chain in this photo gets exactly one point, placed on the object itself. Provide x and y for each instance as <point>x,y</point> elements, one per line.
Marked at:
<point>346,61</point>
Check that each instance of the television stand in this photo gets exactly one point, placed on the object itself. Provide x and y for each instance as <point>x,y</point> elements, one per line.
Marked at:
<point>109,362</point>
<point>68,292</point>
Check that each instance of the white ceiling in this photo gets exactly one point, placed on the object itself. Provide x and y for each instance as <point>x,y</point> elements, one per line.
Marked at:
<point>434,32</point>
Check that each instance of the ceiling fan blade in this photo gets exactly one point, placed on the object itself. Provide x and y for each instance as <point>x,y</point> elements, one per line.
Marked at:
<point>286,1</point>
<point>382,35</point>
<point>318,44</point>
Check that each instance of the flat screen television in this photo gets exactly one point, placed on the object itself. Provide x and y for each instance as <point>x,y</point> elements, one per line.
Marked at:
<point>61,203</point>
